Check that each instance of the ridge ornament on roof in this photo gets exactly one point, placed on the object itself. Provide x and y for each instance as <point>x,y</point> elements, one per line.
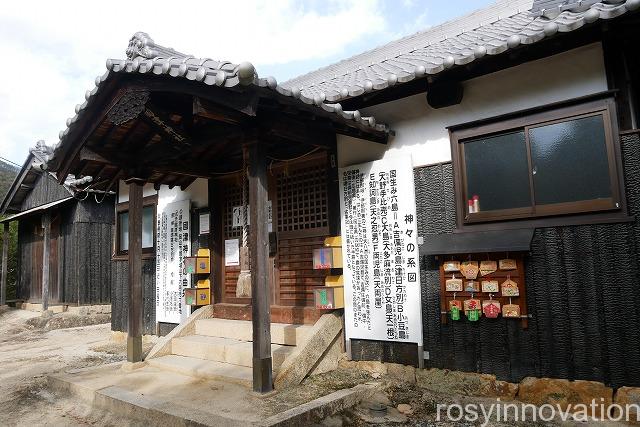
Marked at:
<point>144,56</point>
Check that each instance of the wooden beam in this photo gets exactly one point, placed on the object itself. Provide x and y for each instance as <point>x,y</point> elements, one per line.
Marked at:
<point>46,258</point>
<point>101,172</point>
<point>161,121</point>
<point>211,111</point>
<point>134,327</point>
<point>5,260</point>
<point>313,134</point>
<point>87,154</point>
<point>187,182</point>
<point>88,125</point>
<point>333,189</point>
<point>259,250</point>
<point>216,243</point>
<point>238,98</point>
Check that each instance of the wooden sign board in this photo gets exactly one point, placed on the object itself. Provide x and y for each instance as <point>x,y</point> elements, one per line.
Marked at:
<point>506,285</point>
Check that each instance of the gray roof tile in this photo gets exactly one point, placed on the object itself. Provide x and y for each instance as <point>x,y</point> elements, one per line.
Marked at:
<point>144,56</point>
<point>490,31</point>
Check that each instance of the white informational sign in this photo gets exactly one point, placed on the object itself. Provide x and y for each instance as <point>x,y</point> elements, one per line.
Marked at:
<point>173,243</point>
<point>380,251</point>
<point>232,252</point>
<point>203,223</point>
<point>237,216</point>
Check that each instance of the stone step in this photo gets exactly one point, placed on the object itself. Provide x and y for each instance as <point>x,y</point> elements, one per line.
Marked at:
<point>225,350</point>
<point>206,369</point>
<point>281,333</point>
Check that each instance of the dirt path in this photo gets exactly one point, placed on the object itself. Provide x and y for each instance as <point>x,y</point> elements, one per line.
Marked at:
<point>28,354</point>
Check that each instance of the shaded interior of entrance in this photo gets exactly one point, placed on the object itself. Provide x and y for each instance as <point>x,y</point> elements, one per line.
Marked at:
<point>169,132</point>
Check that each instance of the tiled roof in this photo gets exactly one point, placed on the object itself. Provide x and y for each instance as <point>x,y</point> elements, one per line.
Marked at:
<point>144,56</point>
<point>502,26</point>
<point>28,175</point>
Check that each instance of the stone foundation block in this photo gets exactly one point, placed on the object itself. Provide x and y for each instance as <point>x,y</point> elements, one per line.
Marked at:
<point>629,399</point>
<point>565,394</point>
<point>465,383</point>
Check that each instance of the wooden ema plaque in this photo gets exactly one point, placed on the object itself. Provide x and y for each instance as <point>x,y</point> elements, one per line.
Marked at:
<point>512,300</point>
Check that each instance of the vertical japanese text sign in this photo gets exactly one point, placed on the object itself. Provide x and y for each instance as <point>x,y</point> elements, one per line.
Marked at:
<point>173,243</point>
<point>380,251</point>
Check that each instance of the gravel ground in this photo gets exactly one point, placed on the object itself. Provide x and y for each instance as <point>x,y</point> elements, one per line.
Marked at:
<point>33,346</point>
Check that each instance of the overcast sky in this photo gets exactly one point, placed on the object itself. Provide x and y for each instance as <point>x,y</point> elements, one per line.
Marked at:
<point>53,50</point>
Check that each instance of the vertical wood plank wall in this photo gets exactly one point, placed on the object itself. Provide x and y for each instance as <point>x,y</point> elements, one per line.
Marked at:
<point>83,269</point>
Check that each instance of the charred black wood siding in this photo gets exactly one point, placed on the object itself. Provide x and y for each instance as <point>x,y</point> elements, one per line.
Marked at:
<point>87,231</point>
<point>25,260</point>
<point>120,296</point>
<point>120,289</point>
<point>84,259</point>
<point>45,190</point>
<point>583,286</point>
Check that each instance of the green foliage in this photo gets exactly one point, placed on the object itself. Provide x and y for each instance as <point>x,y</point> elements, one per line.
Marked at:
<point>8,173</point>
<point>12,264</point>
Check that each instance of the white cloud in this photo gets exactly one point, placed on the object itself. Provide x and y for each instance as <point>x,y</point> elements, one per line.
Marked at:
<point>52,51</point>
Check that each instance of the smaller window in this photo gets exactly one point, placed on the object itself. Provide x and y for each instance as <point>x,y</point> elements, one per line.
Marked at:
<point>553,163</point>
<point>148,229</point>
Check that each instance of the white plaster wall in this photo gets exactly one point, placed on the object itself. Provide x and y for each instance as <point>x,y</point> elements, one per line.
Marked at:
<point>197,192</point>
<point>123,191</point>
<point>421,130</point>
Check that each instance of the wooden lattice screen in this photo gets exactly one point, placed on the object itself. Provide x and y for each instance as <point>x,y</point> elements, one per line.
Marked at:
<point>233,197</point>
<point>300,217</point>
<point>302,198</point>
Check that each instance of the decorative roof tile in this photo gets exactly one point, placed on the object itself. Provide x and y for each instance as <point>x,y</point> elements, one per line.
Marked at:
<point>491,31</point>
<point>144,56</point>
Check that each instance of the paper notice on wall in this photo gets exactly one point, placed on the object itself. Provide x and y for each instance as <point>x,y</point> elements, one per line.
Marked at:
<point>380,251</point>
<point>238,219</point>
<point>203,222</point>
<point>231,252</point>
<point>173,243</point>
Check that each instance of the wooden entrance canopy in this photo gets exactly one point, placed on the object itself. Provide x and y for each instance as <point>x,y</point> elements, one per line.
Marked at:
<point>166,118</point>
<point>169,118</point>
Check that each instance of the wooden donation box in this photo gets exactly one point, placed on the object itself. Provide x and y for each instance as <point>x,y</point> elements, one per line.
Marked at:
<point>329,256</point>
<point>331,295</point>
<point>199,264</point>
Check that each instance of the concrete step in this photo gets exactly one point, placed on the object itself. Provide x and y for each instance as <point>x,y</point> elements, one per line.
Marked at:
<point>206,369</point>
<point>281,333</point>
<point>225,350</point>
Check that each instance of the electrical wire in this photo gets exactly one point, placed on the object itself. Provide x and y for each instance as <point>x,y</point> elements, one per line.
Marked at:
<point>294,158</point>
<point>274,159</point>
<point>9,161</point>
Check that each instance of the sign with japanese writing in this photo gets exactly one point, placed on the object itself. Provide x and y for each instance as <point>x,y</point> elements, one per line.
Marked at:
<point>380,251</point>
<point>238,219</point>
<point>173,244</point>
<point>231,252</point>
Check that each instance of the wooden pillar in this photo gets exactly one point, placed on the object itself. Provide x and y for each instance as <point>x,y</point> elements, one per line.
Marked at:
<point>216,243</point>
<point>134,327</point>
<point>333,187</point>
<point>5,260</point>
<point>46,258</point>
<point>259,249</point>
